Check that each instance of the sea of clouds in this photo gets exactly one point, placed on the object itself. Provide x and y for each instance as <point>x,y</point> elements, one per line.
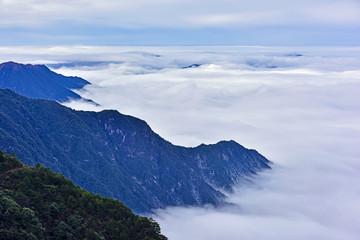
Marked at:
<point>299,107</point>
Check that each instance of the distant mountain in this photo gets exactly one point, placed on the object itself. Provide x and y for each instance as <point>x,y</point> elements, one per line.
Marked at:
<point>119,156</point>
<point>195,65</point>
<point>36,203</point>
<point>38,81</point>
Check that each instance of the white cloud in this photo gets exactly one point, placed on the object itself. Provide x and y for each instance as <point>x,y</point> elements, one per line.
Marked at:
<point>234,18</point>
<point>297,106</point>
<point>178,13</point>
<point>312,200</point>
<point>347,12</point>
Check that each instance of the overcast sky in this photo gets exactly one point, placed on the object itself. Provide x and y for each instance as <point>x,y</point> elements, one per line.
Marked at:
<point>180,22</point>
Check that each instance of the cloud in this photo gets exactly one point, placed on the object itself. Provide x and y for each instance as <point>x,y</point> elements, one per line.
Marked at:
<point>233,18</point>
<point>297,106</point>
<point>345,12</point>
<point>309,201</point>
<point>180,22</point>
<point>177,13</point>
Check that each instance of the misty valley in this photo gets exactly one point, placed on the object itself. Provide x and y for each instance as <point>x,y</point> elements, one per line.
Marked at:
<point>106,153</point>
<point>178,143</point>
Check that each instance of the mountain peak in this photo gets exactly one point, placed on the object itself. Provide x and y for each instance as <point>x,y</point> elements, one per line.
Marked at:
<point>38,81</point>
<point>21,66</point>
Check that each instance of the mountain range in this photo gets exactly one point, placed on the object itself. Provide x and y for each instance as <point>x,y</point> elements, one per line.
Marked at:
<point>38,81</point>
<point>119,156</point>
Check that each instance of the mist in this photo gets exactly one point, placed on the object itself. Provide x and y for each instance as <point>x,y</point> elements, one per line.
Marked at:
<point>299,107</point>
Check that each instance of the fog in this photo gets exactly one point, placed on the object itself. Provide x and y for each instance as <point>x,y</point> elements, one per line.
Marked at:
<point>299,107</point>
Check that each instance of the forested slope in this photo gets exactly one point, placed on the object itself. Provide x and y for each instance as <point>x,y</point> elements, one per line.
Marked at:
<point>36,203</point>
<point>119,156</point>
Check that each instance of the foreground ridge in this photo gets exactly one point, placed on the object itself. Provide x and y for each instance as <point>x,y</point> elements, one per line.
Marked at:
<point>36,203</point>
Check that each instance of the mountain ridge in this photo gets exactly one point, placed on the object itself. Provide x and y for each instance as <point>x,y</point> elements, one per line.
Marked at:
<point>38,81</point>
<point>119,156</point>
<point>36,203</point>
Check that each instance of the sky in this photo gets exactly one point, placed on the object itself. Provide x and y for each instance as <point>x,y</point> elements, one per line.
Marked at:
<point>180,22</point>
<point>297,106</point>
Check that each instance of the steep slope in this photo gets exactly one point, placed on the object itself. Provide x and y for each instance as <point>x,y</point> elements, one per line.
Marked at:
<point>36,203</point>
<point>119,156</point>
<point>37,81</point>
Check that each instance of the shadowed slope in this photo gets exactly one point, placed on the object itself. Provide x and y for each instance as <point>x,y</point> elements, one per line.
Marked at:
<point>37,81</point>
<point>120,156</point>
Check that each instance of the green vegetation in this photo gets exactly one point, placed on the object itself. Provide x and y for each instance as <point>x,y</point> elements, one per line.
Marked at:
<point>36,203</point>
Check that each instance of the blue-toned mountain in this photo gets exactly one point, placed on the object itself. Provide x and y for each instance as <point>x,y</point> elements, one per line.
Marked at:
<point>38,81</point>
<point>119,156</point>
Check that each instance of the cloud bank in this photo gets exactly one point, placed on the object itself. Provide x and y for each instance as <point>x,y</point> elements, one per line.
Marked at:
<point>179,13</point>
<point>139,22</point>
<point>297,106</point>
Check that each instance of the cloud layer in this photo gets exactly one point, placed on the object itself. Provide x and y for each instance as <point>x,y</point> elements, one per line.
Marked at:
<point>180,22</point>
<point>297,106</point>
<point>179,13</point>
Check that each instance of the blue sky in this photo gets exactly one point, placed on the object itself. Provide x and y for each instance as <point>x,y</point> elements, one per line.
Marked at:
<point>180,22</point>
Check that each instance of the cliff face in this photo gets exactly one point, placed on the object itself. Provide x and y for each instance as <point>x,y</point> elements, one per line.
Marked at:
<point>120,156</point>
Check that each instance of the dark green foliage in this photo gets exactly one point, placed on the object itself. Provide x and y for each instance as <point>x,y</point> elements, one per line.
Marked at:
<point>119,156</point>
<point>36,203</point>
<point>17,222</point>
<point>7,165</point>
